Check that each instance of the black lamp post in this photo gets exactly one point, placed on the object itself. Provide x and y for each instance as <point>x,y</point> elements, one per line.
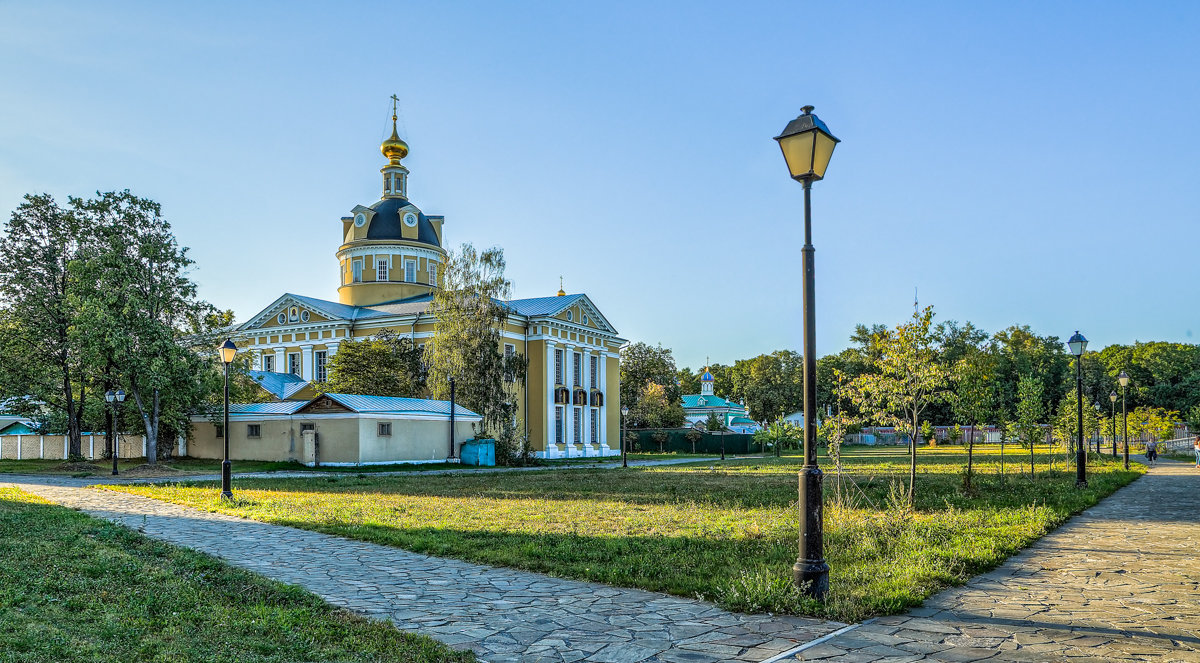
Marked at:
<point>114,399</point>
<point>1123,378</point>
<point>807,147</point>
<point>1112,423</point>
<point>228,350</point>
<point>1078,344</point>
<point>624,442</point>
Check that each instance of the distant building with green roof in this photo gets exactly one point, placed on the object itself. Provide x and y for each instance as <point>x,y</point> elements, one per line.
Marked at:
<point>697,408</point>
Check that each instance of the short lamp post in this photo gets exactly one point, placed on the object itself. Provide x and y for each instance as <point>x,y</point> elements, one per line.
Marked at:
<point>228,350</point>
<point>1078,344</point>
<point>1123,378</point>
<point>624,440</point>
<point>1112,423</point>
<point>114,400</point>
<point>452,408</point>
<point>807,146</point>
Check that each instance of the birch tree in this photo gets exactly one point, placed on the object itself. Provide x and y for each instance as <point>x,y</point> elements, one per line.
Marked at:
<point>466,345</point>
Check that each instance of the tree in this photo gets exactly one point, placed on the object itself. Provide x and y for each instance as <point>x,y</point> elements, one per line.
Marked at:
<point>975,397</point>
<point>387,365</point>
<point>466,344</point>
<point>39,283</point>
<point>1030,413</point>
<point>770,384</point>
<point>643,364</point>
<point>713,423</point>
<point>780,435</point>
<point>1153,423</point>
<point>141,311</point>
<point>654,409</point>
<point>908,377</point>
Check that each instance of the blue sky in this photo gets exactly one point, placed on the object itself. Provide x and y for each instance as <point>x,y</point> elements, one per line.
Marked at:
<point>1017,162</point>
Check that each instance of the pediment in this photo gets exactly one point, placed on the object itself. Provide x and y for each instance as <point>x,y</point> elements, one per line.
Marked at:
<point>289,311</point>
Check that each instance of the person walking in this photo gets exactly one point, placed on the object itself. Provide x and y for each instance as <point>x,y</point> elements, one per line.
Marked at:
<point>1151,452</point>
<point>1196,448</point>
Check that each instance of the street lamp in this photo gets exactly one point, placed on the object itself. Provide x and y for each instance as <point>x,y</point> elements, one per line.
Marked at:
<point>1123,378</point>
<point>1112,423</point>
<point>1078,344</point>
<point>227,350</point>
<point>624,443</point>
<point>114,399</point>
<point>807,146</point>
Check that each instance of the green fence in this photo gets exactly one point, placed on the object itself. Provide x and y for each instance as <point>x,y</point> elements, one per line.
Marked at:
<point>686,440</point>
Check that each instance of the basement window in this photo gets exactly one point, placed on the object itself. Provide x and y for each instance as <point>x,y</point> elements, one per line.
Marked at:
<point>253,430</point>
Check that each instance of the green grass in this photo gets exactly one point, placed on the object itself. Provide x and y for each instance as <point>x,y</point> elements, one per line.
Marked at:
<point>207,466</point>
<point>722,531</point>
<point>79,589</point>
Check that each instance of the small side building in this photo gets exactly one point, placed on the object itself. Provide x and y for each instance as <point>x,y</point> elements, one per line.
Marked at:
<point>336,429</point>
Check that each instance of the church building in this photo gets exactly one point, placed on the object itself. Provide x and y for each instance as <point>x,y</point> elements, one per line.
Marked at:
<point>390,256</point>
<point>698,407</point>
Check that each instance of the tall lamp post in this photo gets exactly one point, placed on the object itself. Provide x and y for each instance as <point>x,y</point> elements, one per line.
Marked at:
<point>1078,344</point>
<point>228,350</point>
<point>114,399</point>
<point>624,442</point>
<point>1112,423</point>
<point>807,146</point>
<point>1123,378</point>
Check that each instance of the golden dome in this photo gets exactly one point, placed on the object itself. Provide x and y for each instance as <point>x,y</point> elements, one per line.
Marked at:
<point>394,148</point>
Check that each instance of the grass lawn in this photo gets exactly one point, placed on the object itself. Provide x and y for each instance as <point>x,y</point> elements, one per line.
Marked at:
<point>722,531</point>
<point>76,588</point>
<point>205,466</point>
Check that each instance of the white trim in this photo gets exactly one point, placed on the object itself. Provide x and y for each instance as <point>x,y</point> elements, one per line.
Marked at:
<point>399,247</point>
<point>388,462</point>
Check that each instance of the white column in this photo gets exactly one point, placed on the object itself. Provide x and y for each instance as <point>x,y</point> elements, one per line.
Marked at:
<point>551,450</point>
<point>258,360</point>
<point>306,362</point>
<point>331,348</point>
<point>602,385</point>
<point>280,361</point>
<point>569,381</point>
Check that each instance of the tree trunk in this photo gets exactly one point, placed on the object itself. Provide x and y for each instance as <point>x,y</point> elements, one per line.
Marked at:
<point>970,452</point>
<point>150,421</point>
<point>1032,444</point>
<point>912,465</point>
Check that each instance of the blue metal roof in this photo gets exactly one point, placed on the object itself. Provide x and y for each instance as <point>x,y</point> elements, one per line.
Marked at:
<point>543,305</point>
<point>396,405</point>
<point>341,311</point>
<point>278,407</point>
<point>281,385</point>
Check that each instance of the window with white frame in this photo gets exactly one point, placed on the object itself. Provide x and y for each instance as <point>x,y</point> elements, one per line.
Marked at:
<point>558,424</point>
<point>320,358</point>
<point>268,363</point>
<point>294,363</point>
<point>432,272</point>
<point>385,429</point>
<point>594,371</point>
<point>356,271</point>
<point>410,271</point>
<point>578,421</point>
<point>558,367</point>
<point>577,366</point>
<point>381,270</point>
<point>595,436</point>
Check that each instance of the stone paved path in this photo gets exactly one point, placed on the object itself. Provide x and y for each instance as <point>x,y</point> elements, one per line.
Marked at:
<point>501,614</point>
<point>1120,582</point>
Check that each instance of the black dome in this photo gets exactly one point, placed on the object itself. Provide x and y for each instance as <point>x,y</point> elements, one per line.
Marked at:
<point>387,223</point>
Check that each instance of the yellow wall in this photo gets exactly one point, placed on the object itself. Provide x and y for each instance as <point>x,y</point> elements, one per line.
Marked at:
<point>612,401</point>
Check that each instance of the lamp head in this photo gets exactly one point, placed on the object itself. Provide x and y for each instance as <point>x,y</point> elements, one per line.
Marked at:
<point>1078,344</point>
<point>625,410</point>
<point>1123,378</point>
<point>1113,397</point>
<point>109,396</point>
<point>227,350</point>
<point>807,146</point>
<point>120,396</point>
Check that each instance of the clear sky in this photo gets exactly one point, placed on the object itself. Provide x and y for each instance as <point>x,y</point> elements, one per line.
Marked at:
<point>1018,162</point>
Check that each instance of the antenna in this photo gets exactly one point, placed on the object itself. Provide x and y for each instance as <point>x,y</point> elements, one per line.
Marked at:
<point>916,305</point>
